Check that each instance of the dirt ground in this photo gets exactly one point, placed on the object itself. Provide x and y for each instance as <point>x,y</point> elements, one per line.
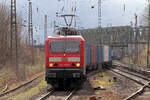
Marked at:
<point>110,88</point>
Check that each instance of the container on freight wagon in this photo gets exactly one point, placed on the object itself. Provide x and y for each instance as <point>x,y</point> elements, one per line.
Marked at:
<point>107,53</point>
<point>110,53</point>
<point>100,53</point>
<point>88,54</point>
<point>93,54</point>
<point>114,53</point>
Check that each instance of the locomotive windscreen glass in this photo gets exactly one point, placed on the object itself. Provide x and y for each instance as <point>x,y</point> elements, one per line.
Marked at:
<point>64,46</point>
<point>72,46</point>
<point>57,46</point>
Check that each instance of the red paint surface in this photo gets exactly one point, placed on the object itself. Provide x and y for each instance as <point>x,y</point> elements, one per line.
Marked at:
<point>64,62</point>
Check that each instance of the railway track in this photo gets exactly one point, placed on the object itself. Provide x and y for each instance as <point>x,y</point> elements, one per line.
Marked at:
<point>5,91</point>
<point>52,91</point>
<point>133,77</point>
<point>71,94</point>
<point>135,74</point>
<point>143,81</point>
<point>45,96</point>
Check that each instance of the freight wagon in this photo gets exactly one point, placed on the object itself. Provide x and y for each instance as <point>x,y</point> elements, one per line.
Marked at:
<point>98,56</point>
<point>116,55</point>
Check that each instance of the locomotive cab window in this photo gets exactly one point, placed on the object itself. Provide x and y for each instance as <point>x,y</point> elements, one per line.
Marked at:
<point>65,46</point>
<point>72,46</point>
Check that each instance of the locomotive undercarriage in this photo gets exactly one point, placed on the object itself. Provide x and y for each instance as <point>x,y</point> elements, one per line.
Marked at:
<point>65,82</point>
<point>65,77</point>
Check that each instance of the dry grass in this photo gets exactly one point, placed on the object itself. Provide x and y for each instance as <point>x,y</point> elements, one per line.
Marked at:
<point>31,92</point>
<point>7,76</point>
<point>105,81</point>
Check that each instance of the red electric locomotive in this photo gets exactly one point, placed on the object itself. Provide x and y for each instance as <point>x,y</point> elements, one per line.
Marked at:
<point>65,62</point>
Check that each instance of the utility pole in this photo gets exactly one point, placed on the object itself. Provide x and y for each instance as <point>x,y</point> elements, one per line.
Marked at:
<point>13,39</point>
<point>30,31</point>
<point>136,38</point>
<point>45,28</point>
<point>30,25</point>
<point>148,38</point>
<point>99,13</point>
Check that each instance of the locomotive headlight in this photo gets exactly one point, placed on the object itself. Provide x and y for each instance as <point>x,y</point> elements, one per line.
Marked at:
<point>55,59</point>
<point>51,65</point>
<point>73,59</point>
<point>78,64</point>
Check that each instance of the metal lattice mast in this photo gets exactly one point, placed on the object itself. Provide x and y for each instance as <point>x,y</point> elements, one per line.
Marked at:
<point>99,13</point>
<point>13,42</point>
<point>45,28</point>
<point>136,38</point>
<point>30,25</point>
<point>148,44</point>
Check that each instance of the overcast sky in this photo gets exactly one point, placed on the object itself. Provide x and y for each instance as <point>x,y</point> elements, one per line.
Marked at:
<point>113,12</point>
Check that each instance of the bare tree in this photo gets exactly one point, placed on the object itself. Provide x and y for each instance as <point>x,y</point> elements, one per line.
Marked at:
<point>4,34</point>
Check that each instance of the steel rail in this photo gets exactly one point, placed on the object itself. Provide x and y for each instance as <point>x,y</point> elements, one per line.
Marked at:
<point>125,66</point>
<point>132,73</point>
<point>71,94</point>
<point>141,90</point>
<point>5,88</point>
<point>139,82</point>
<point>138,92</point>
<point>47,95</point>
